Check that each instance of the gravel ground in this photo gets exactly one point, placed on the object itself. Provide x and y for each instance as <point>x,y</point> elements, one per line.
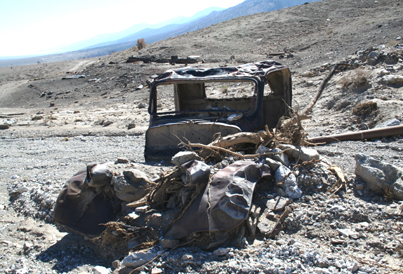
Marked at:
<point>356,230</point>
<point>33,171</point>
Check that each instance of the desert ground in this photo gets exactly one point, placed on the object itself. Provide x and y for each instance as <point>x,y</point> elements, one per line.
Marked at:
<point>58,117</point>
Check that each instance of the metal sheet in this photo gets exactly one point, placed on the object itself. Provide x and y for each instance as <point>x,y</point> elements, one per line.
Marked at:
<point>225,202</point>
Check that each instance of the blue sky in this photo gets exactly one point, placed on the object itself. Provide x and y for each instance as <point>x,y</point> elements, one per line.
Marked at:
<point>39,26</point>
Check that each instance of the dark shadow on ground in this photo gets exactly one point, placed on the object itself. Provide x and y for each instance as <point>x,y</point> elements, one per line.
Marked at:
<point>71,252</point>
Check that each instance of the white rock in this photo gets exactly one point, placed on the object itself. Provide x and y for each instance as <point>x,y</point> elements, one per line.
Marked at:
<point>101,270</point>
<point>142,105</point>
<point>168,243</point>
<point>290,183</point>
<point>184,156</point>
<point>392,79</point>
<point>273,164</point>
<point>221,251</point>
<point>138,258</point>
<point>349,233</point>
<point>389,123</point>
<point>187,257</point>
<point>302,153</point>
<point>380,176</point>
<point>141,209</point>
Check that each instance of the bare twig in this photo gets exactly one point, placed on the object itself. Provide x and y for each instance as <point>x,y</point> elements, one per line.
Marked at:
<point>279,225</point>
<point>156,257</point>
<point>321,88</point>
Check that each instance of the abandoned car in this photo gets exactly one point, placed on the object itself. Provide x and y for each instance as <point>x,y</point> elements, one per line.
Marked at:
<point>223,100</point>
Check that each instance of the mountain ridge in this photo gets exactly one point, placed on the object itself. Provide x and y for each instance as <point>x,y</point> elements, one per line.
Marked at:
<point>153,35</point>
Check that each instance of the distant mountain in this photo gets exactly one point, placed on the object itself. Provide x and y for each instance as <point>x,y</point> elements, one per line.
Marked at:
<point>105,44</point>
<point>247,7</point>
<point>111,38</point>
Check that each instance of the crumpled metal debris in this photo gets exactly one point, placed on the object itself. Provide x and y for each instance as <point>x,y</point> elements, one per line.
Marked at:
<point>121,210</point>
<point>225,202</point>
<point>93,197</point>
<point>85,203</point>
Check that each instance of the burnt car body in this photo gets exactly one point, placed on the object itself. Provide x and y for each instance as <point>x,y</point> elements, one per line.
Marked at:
<point>223,100</point>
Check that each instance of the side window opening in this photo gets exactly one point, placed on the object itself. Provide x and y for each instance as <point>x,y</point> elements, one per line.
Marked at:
<point>192,96</point>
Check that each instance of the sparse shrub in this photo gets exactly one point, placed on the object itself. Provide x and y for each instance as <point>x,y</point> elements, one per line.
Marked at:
<point>357,80</point>
<point>141,44</point>
<point>366,108</point>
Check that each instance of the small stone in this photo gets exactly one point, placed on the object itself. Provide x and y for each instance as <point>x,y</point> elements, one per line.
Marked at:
<point>389,123</point>
<point>274,165</point>
<point>278,203</point>
<point>353,267</point>
<point>27,248</point>
<point>197,172</point>
<point>221,251</point>
<point>290,185</point>
<point>130,126</point>
<point>157,271</point>
<point>266,222</point>
<point>349,233</point>
<point>301,153</point>
<point>133,215</point>
<point>392,79</point>
<point>168,243</point>
<point>135,259</point>
<point>281,157</point>
<point>122,161</point>
<point>155,220</point>
<point>107,123</point>
<point>4,126</point>
<point>337,241</point>
<point>141,209</point>
<point>359,186</point>
<point>142,105</point>
<point>187,257</point>
<point>116,264</point>
<point>36,118</point>
<point>139,87</point>
<point>183,157</point>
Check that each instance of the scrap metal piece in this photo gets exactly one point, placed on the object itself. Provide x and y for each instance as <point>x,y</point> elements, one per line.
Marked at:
<point>197,172</point>
<point>83,208</point>
<point>360,135</point>
<point>225,202</point>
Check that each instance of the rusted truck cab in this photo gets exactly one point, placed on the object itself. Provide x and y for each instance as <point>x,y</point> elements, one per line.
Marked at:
<point>194,105</point>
